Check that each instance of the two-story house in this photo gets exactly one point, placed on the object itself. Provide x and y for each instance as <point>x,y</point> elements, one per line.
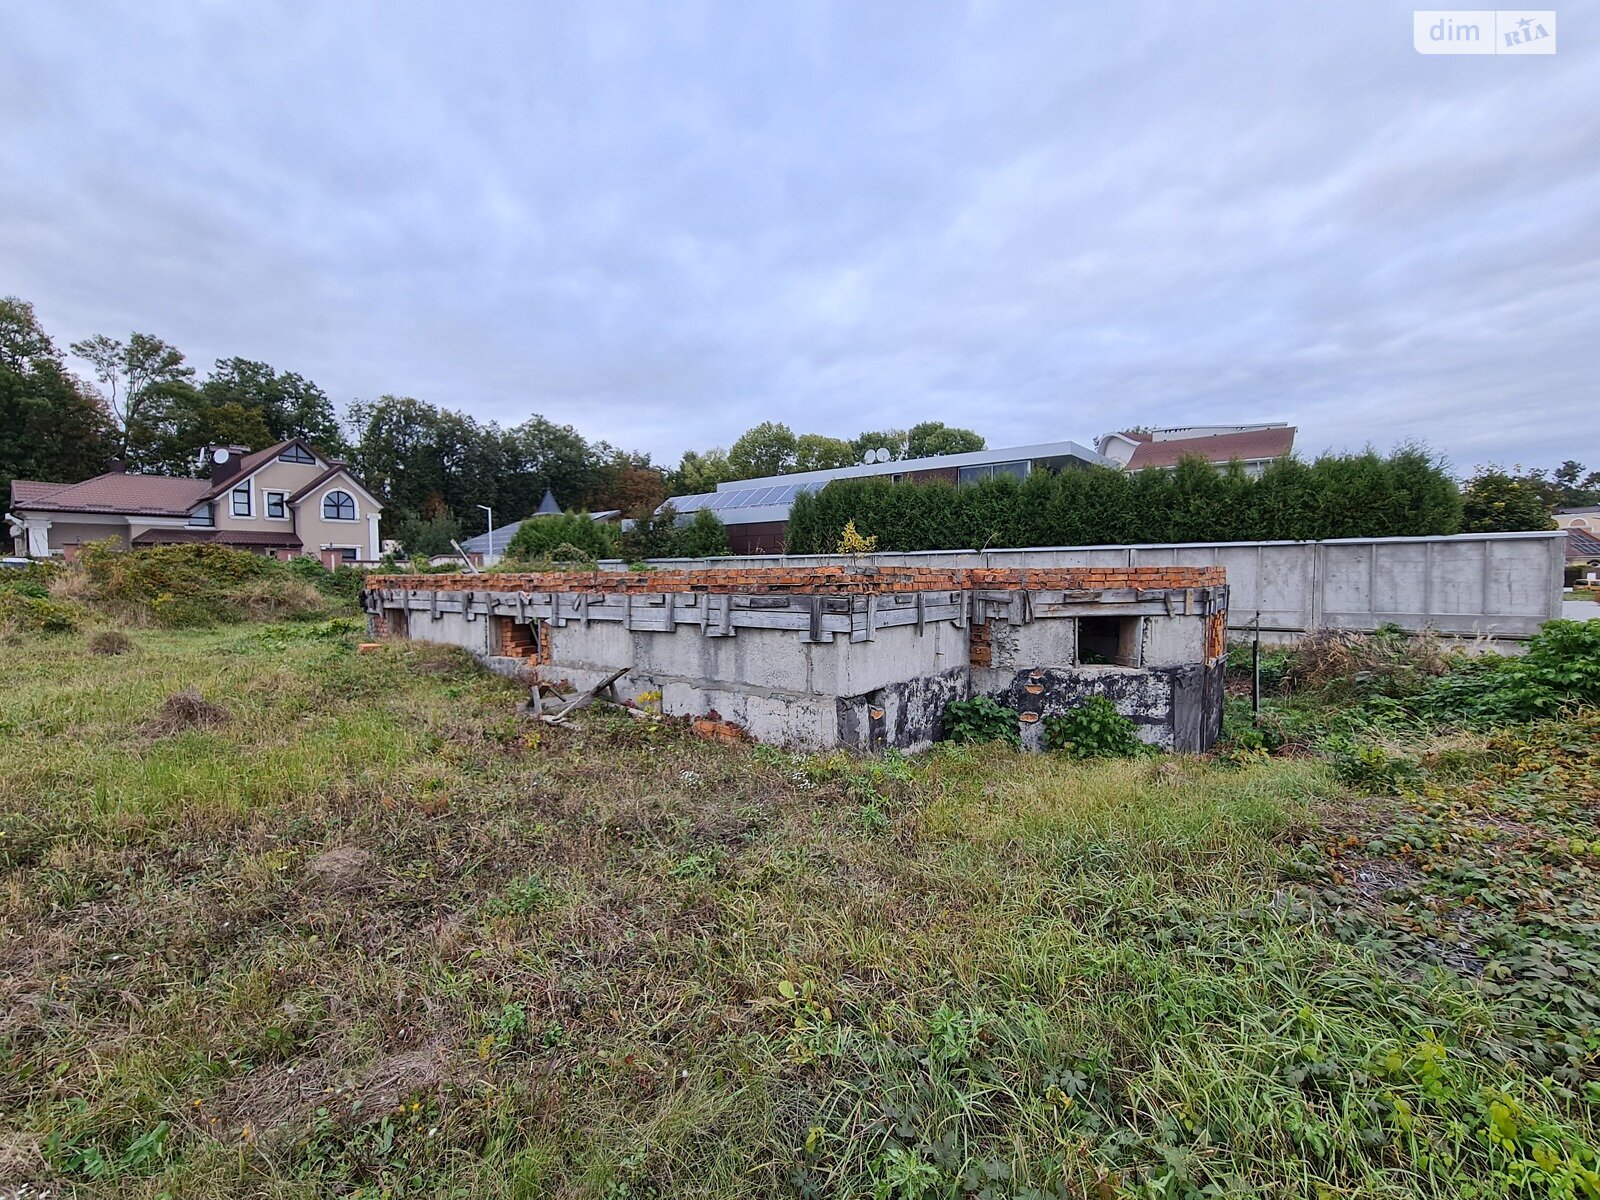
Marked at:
<point>285,500</point>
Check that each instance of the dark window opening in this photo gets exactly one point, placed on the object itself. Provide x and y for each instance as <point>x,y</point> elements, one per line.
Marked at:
<point>275,506</point>
<point>338,506</point>
<point>296,454</point>
<point>1111,641</point>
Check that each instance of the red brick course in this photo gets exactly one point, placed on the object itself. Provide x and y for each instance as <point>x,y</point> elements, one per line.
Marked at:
<point>815,580</point>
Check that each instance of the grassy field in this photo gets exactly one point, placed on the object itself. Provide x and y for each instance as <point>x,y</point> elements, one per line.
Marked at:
<point>344,925</point>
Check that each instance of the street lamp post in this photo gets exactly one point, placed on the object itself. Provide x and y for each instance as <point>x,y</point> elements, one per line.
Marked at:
<point>490,558</point>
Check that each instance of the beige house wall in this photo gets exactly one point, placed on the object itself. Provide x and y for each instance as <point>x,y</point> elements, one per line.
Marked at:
<point>79,530</point>
<point>305,519</point>
<point>287,478</point>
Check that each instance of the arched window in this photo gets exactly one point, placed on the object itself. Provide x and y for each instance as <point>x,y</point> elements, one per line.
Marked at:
<point>338,506</point>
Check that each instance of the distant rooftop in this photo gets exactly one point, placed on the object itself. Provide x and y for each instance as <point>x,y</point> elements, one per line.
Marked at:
<point>749,501</point>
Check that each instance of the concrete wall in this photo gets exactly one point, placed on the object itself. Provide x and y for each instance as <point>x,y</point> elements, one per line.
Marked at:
<point>1498,585</point>
<point>845,657</point>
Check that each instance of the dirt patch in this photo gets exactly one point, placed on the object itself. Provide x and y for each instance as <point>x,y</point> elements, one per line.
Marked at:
<point>186,710</point>
<point>342,869</point>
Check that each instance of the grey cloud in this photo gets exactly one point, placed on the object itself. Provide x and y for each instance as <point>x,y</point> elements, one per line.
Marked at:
<point>664,223</point>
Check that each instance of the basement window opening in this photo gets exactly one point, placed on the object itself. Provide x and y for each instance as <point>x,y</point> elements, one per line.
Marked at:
<point>1109,641</point>
<point>517,640</point>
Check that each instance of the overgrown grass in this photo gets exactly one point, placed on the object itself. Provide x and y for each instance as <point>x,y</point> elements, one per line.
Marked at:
<point>172,587</point>
<point>370,935</point>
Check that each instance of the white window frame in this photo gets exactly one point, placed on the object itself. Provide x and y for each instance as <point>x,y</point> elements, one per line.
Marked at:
<point>249,500</point>
<point>322,506</point>
<point>283,505</point>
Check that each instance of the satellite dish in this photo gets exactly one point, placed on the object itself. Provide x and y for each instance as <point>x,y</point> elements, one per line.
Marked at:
<point>882,454</point>
<point>869,458</point>
<point>220,454</point>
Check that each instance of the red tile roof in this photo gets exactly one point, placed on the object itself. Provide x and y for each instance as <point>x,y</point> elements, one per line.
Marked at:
<point>1217,448</point>
<point>140,495</point>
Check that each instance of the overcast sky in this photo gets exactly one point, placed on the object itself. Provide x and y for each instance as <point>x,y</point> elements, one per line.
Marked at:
<point>664,222</point>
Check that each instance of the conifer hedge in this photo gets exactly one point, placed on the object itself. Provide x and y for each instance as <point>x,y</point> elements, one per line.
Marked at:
<point>1406,493</point>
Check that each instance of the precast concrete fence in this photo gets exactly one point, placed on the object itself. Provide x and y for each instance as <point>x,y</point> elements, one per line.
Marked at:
<point>1498,586</point>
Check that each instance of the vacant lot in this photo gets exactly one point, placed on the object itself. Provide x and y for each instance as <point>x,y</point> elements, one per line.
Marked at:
<point>339,923</point>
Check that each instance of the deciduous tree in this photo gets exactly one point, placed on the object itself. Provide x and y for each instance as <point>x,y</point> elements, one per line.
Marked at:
<point>52,427</point>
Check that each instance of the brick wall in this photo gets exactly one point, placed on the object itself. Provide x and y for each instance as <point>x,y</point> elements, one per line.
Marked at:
<point>980,651</point>
<point>830,580</point>
<point>529,641</point>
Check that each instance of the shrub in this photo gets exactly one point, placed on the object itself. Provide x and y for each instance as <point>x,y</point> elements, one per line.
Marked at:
<point>704,537</point>
<point>541,537</point>
<point>1559,671</point>
<point>1373,769</point>
<point>20,611</point>
<point>1363,495</point>
<point>184,586</point>
<point>658,535</point>
<point>1095,729</point>
<point>980,719</point>
<point>1389,662</point>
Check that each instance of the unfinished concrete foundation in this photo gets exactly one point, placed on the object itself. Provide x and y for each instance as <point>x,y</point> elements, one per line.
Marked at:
<point>865,658</point>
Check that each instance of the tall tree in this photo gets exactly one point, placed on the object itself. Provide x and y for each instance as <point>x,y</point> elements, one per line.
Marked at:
<point>765,449</point>
<point>892,440</point>
<point>52,427</point>
<point>141,377</point>
<point>290,404</point>
<point>815,452</point>
<point>1495,501</point>
<point>700,472</point>
<point>935,437</point>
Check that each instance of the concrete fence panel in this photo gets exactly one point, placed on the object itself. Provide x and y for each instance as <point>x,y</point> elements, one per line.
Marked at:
<point>1494,585</point>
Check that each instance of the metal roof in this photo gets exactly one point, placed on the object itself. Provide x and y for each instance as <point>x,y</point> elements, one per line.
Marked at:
<point>974,458</point>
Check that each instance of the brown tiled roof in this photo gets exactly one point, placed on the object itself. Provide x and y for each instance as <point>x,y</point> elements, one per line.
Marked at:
<point>24,490</point>
<point>163,537</point>
<point>225,537</point>
<point>139,495</point>
<point>1216,447</point>
<point>251,537</point>
<point>1582,544</point>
